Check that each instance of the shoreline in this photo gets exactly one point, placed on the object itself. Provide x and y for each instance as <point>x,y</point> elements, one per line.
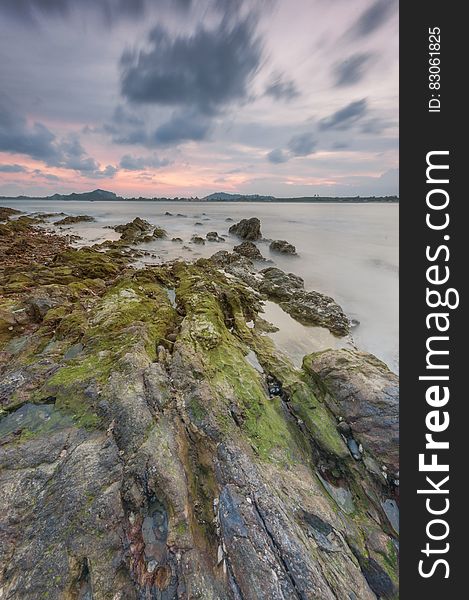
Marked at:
<point>172,422</point>
<point>172,200</point>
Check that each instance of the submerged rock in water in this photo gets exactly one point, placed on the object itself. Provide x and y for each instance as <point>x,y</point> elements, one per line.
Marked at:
<point>138,231</point>
<point>159,233</point>
<point>282,246</point>
<point>75,219</point>
<point>287,289</point>
<point>153,444</point>
<point>196,239</point>
<point>247,229</point>
<point>250,250</point>
<point>309,308</point>
<point>212,236</point>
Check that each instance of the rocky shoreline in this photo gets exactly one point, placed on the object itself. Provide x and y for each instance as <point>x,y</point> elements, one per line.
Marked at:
<point>154,444</point>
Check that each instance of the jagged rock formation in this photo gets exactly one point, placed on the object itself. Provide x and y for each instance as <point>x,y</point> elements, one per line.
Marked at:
<point>212,236</point>
<point>138,231</point>
<point>282,246</point>
<point>287,289</point>
<point>196,239</point>
<point>155,446</point>
<point>249,250</point>
<point>247,229</point>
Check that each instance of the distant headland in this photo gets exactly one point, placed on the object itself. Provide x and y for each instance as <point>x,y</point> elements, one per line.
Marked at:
<point>103,195</point>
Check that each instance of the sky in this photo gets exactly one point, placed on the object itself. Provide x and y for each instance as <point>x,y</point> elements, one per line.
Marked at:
<point>189,97</point>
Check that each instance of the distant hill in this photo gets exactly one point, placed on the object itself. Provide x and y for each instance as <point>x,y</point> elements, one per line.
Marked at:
<point>87,196</point>
<point>224,196</point>
<point>94,195</point>
<point>98,194</point>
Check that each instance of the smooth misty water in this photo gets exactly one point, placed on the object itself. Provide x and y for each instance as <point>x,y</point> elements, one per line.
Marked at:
<point>348,251</point>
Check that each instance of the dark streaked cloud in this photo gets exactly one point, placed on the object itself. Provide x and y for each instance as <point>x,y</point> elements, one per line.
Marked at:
<point>281,88</point>
<point>18,137</point>
<point>140,163</point>
<point>110,11</point>
<point>198,75</point>
<point>72,155</point>
<point>302,144</point>
<point>345,117</point>
<point>351,70</point>
<point>374,126</point>
<point>277,156</point>
<point>12,168</point>
<point>107,173</point>
<point>373,18</point>
<point>44,175</point>
<point>123,116</point>
<point>206,70</point>
<point>182,126</point>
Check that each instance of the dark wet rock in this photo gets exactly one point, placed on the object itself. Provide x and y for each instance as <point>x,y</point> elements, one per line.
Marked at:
<point>391,509</point>
<point>6,213</point>
<point>212,236</point>
<point>344,428</point>
<point>44,217</point>
<point>321,531</point>
<point>250,250</point>
<point>177,239</point>
<point>196,239</point>
<point>34,418</point>
<point>366,393</point>
<point>278,285</point>
<point>354,449</point>
<point>197,223</point>
<point>274,386</point>
<point>224,258</point>
<point>159,233</point>
<point>73,351</point>
<point>71,220</point>
<point>378,580</point>
<point>139,231</point>
<point>282,246</point>
<point>229,220</point>
<point>340,493</point>
<point>247,229</point>
<point>168,214</point>
<point>133,229</point>
<point>39,304</point>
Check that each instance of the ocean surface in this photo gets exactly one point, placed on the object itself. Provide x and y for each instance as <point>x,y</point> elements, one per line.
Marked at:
<point>347,251</point>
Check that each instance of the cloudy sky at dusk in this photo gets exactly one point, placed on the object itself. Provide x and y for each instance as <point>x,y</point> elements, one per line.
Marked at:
<point>188,97</point>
